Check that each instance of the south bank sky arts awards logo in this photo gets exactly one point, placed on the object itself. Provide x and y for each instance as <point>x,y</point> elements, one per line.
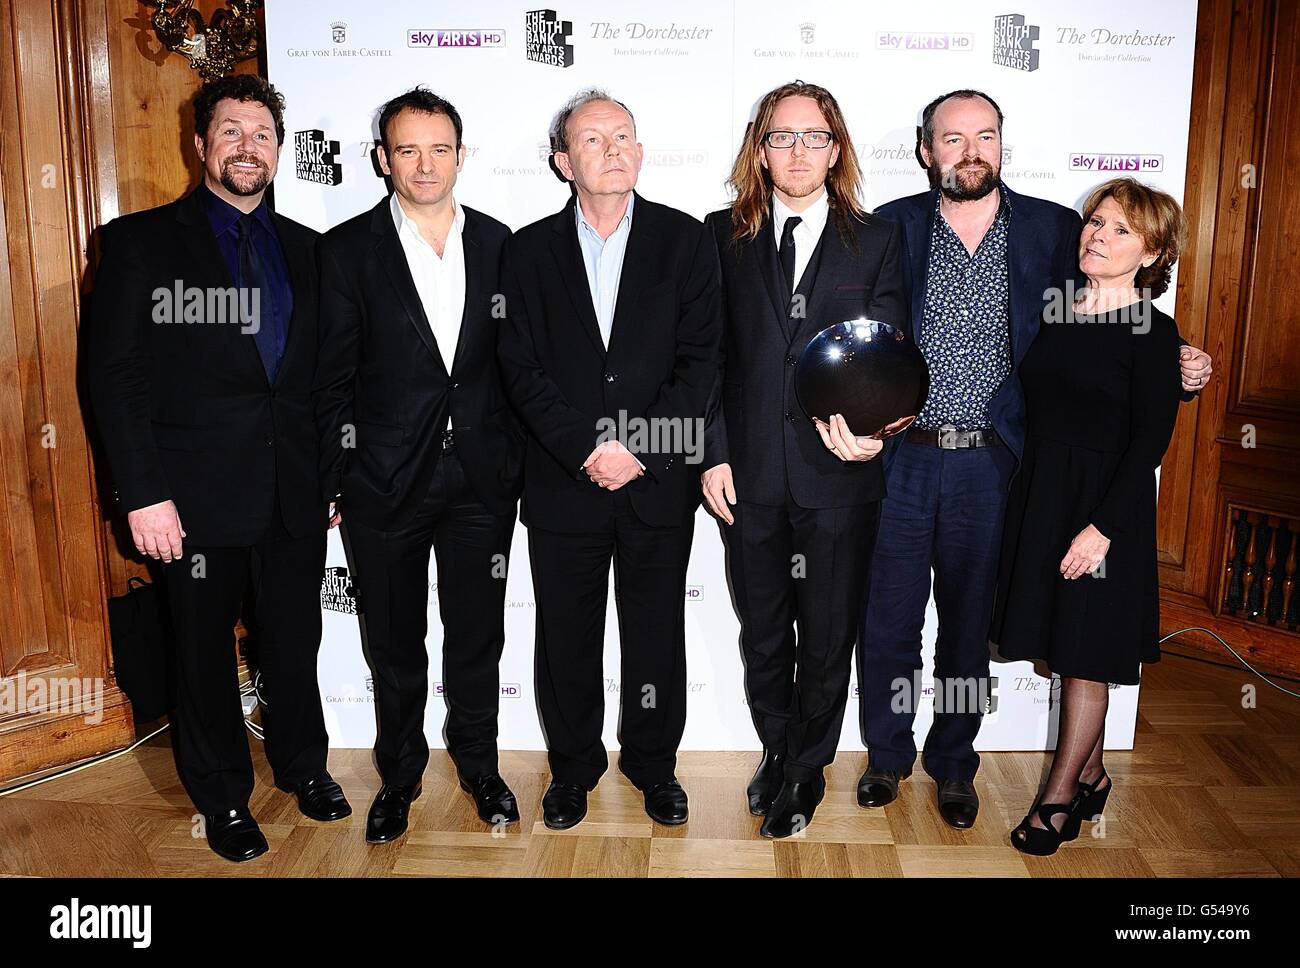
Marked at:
<point>1013,42</point>
<point>546,38</point>
<point>337,593</point>
<point>314,158</point>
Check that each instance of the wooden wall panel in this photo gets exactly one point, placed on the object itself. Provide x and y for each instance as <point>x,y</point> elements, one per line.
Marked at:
<point>1237,296</point>
<point>1269,384</point>
<point>52,576</point>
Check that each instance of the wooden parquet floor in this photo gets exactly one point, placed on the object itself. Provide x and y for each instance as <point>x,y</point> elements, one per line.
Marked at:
<point>1212,789</point>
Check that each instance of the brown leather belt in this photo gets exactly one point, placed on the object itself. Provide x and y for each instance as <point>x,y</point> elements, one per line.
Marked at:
<point>949,437</point>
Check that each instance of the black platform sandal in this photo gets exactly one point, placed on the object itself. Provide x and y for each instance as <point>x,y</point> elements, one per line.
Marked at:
<point>1042,843</point>
<point>1089,804</point>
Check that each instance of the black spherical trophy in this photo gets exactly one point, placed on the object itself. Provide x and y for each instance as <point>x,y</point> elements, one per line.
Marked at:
<point>866,370</point>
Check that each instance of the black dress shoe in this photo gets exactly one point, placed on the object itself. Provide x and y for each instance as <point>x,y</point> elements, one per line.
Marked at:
<point>564,805</point>
<point>666,803</point>
<point>494,800</point>
<point>766,784</point>
<point>388,814</point>
<point>878,787</point>
<point>792,810</point>
<point>235,835</point>
<point>958,803</point>
<point>321,798</point>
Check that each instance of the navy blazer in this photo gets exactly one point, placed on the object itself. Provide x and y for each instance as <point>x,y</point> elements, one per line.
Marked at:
<point>1042,253</point>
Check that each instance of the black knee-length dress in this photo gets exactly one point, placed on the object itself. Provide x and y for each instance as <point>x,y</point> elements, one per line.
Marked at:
<point>1101,395</point>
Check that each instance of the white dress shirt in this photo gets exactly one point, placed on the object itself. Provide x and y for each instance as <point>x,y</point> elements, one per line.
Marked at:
<point>439,281</point>
<point>603,259</point>
<point>806,233</point>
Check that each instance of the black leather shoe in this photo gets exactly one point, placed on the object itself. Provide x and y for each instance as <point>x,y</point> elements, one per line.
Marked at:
<point>766,784</point>
<point>666,803</point>
<point>564,805</point>
<point>494,800</point>
<point>321,798</point>
<point>235,835</point>
<point>792,810</point>
<point>958,803</point>
<point>878,787</point>
<point>388,814</point>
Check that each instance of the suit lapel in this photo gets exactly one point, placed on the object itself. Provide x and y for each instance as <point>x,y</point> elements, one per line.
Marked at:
<point>831,261</point>
<point>573,273</point>
<point>472,250</point>
<point>642,242</point>
<point>1022,301</point>
<point>391,255</point>
<point>205,255</point>
<point>773,278</point>
<point>300,280</point>
<point>919,230</point>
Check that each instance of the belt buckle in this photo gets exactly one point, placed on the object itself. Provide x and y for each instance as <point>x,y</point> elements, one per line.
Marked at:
<point>948,437</point>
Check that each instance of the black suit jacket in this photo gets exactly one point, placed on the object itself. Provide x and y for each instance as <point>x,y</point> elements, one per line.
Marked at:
<point>185,409</point>
<point>661,362</point>
<point>755,421</point>
<point>382,379</point>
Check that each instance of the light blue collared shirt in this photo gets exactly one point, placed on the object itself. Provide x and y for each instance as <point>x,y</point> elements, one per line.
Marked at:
<point>603,259</point>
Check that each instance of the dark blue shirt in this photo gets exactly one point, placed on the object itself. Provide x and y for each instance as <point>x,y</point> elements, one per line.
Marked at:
<point>965,332</point>
<point>276,300</point>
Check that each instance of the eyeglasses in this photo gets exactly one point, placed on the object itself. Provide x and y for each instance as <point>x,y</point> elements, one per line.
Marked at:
<point>810,139</point>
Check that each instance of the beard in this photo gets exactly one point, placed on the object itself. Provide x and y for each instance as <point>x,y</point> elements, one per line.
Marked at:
<point>957,188</point>
<point>241,182</point>
<point>799,186</point>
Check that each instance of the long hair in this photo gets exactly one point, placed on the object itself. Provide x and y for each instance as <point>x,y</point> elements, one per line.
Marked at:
<point>752,183</point>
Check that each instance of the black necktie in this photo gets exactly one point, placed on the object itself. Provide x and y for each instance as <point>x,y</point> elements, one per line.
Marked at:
<point>253,277</point>
<point>786,250</point>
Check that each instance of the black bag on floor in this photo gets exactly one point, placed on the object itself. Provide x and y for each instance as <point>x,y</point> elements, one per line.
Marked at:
<point>142,648</point>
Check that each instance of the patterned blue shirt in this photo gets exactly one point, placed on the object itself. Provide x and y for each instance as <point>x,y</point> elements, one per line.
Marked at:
<point>965,332</point>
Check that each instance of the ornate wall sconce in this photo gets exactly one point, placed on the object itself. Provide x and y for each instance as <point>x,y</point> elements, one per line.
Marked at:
<point>211,48</point>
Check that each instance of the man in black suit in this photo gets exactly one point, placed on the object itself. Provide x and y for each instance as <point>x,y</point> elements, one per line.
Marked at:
<point>202,348</point>
<point>608,353</point>
<point>799,498</point>
<point>419,442</point>
<point>978,262</point>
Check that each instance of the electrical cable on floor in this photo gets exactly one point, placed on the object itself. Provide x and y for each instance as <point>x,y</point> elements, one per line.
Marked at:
<point>1197,628</point>
<point>251,688</point>
<point>86,765</point>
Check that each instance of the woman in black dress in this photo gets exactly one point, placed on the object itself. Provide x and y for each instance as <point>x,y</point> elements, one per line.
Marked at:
<point>1077,581</point>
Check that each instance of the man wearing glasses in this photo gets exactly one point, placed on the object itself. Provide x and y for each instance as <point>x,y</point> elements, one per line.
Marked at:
<point>799,498</point>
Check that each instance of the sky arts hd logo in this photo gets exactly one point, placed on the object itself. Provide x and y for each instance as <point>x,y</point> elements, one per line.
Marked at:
<point>1087,161</point>
<point>546,38</point>
<point>1013,42</point>
<point>459,37</point>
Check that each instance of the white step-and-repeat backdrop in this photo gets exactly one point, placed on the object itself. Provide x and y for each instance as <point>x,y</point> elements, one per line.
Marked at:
<point>1089,90</point>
